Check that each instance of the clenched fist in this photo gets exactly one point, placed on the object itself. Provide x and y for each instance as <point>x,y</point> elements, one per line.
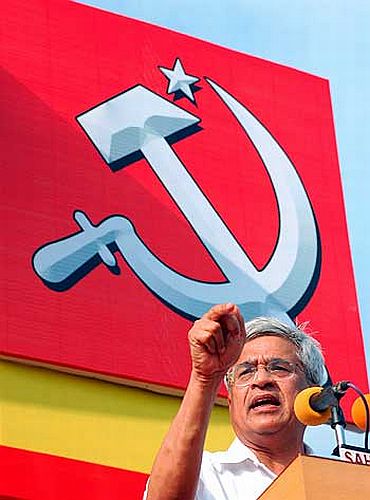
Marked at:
<point>216,341</point>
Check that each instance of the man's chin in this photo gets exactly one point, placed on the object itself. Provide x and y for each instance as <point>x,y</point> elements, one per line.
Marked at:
<point>267,423</point>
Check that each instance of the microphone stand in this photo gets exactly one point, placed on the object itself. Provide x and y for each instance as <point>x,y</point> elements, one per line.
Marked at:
<point>331,396</point>
<point>338,423</point>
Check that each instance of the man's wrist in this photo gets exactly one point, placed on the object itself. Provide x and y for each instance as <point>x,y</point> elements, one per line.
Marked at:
<point>204,382</point>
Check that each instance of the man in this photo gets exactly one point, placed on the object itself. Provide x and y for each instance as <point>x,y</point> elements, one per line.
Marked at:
<point>266,364</point>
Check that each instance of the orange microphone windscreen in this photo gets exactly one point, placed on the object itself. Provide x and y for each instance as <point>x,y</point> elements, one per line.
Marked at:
<point>358,412</point>
<point>303,411</point>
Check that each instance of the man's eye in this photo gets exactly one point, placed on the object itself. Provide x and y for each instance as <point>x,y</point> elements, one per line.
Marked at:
<point>247,370</point>
<point>280,368</point>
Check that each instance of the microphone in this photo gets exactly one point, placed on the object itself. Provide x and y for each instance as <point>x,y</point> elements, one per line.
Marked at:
<point>359,412</point>
<point>312,406</point>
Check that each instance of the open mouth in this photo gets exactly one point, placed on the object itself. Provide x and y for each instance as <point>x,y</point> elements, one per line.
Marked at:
<point>264,401</point>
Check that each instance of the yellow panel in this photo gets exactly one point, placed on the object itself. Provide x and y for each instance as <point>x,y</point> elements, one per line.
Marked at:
<point>91,420</point>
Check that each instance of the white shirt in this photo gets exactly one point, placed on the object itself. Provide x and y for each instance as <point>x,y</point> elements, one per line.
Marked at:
<point>232,475</point>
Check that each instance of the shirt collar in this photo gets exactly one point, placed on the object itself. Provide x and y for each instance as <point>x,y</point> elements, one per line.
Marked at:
<point>238,452</point>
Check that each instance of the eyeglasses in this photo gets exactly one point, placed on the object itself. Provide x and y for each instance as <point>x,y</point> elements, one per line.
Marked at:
<point>242,375</point>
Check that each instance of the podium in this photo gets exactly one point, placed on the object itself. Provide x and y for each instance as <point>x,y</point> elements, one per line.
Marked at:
<point>313,478</point>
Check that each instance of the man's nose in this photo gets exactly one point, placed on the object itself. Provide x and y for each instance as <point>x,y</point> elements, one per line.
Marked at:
<point>261,376</point>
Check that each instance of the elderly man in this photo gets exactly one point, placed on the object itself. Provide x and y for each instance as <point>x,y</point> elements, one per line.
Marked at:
<point>266,364</point>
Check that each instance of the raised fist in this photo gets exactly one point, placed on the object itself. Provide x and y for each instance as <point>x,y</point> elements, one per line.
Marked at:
<point>216,341</point>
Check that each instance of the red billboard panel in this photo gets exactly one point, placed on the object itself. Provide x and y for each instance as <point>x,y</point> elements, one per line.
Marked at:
<point>148,175</point>
<point>30,475</point>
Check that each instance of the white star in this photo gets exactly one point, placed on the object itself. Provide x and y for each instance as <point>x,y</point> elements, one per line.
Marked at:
<point>179,80</point>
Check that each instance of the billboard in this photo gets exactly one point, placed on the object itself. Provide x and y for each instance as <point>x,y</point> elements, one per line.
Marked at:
<point>149,175</point>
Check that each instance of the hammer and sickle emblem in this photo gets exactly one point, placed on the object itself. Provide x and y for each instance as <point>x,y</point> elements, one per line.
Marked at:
<point>139,123</point>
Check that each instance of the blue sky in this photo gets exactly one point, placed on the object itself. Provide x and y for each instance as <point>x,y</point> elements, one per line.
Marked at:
<point>329,38</point>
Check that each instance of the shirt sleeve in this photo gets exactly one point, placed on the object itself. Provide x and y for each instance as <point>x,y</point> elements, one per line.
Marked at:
<point>206,474</point>
<point>206,479</point>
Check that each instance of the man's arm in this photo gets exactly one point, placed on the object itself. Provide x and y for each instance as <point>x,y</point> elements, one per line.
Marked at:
<point>215,343</point>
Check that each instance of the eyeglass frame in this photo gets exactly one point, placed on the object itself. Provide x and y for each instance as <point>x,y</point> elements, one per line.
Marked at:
<point>230,375</point>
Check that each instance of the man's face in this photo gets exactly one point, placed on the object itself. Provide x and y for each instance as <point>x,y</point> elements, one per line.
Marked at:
<point>265,406</point>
